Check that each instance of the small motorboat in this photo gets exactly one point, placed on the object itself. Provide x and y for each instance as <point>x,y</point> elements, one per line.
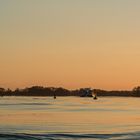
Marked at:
<point>94,95</point>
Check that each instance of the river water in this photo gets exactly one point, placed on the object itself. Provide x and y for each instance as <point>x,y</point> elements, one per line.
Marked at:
<point>72,118</point>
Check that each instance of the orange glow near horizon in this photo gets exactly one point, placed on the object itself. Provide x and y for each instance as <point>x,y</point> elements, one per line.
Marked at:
<point>70,44</point>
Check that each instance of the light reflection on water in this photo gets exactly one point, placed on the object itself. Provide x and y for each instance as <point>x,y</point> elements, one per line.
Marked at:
<point>75,115</point>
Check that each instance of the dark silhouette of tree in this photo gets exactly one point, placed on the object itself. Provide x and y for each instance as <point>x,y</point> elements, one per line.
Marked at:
<point>2,91</point>
<point>59,91</point>
<point>136,91</point>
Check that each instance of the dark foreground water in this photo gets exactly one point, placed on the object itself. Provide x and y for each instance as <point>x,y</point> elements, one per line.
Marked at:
<point>72,118</point>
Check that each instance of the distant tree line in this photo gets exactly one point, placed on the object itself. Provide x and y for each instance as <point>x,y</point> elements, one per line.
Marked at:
<point>82,92</point>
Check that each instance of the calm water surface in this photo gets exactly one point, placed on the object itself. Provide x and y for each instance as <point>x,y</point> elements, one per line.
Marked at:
<point>37,118</point>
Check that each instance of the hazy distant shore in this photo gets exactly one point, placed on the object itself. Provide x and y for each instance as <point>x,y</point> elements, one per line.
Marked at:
<point>82,92</point>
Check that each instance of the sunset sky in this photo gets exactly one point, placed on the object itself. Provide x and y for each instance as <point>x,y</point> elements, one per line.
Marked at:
<point>70,43</point>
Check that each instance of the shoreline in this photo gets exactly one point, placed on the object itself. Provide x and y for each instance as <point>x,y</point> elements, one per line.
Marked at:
<point>59,91</point>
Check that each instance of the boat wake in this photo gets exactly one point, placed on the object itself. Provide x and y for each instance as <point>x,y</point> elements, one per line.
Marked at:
<point>69,136</point>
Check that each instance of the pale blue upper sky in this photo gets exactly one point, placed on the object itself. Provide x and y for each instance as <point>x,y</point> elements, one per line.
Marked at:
<point>70,43</point>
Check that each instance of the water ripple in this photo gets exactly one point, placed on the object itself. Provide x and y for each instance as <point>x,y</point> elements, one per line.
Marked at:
<point>121,136</point>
